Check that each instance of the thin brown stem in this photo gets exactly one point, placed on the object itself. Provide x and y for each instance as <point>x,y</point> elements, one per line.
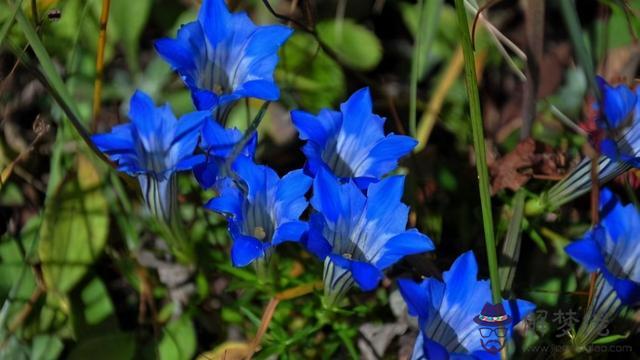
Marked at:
<point>102,41</point>
<point>267,315</point>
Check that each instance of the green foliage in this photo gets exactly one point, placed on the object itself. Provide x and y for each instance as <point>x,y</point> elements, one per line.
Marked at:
<point>355,45</point>
<point>178,340</point>
<point>106,347</point>
<point>74,229</point>
<point>312,78</point>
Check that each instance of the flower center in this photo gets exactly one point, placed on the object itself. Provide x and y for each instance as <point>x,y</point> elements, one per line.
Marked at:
<point>259,233</point>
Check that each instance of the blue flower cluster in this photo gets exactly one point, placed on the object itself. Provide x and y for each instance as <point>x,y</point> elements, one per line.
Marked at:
<point>221,57</point>
<point>357,222</point>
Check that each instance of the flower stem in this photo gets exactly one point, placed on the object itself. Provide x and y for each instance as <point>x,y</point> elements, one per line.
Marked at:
<point>415,61</point>
<point>102,41</point>
<point>479,146</point>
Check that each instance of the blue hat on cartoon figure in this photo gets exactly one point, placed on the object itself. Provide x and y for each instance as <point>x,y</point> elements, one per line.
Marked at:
<point>493,315</point>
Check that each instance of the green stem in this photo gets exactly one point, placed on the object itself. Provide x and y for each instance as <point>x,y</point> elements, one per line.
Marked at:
<point>575,31</point>
<point>478,142</point>
<point>415,63</point>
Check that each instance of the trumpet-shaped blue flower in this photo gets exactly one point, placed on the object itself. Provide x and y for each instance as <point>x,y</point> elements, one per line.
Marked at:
<point>351,143</point>
<point>152,147</point>
<point>611,250</point>
<point>222,56</point>
<point>617,137</point>
<point>218,144</point>
<point>447,313</point>
<point>620,120</point>
<point>262,209</point>
<point>613,247</point>
<point>359,236</point>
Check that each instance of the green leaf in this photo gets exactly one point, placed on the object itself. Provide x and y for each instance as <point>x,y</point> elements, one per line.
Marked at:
<point>610,339</point>
<point>14,349</point>
<point>11,263</point>
<point>307,74</point>
<point>179,340</point>
<point>96,304</point>
<point>355,45</point>
<point>74,229</point>
<point>129,19</point>
<point>107,347</point>
<point>444,41</point>
<point>618,27</point>
<point>9,22</point>
<point>46,347</point>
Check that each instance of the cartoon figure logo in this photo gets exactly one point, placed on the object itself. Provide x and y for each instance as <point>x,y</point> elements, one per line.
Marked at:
<point>493,321</point>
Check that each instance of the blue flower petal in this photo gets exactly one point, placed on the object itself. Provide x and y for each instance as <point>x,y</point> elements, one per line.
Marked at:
<point>407,243</point>
<point>215,19</point>
<point>119,140</point>
<point>245,250</point>
<point>618,102</point>
<point>518,309</point>
<point>357,116</point>
<point>433,350</point>
<point>463,275</point>
<point>587,252</point>
<point>315,241</point>
<point>259,89</point>
<point>326,196</point>
<point>256,177</point>
<point>316,129</point>
<point>229,202</point>
<point>188,162</point>
<point>176,53</point>
<point>290,200</point>
<point>206,173</point>
<point>416,296</point>
<point>204,99</point>
<point>384,196</point>
<point>366,275</point>
<point>384,156</point>
<point>145,118</point>
<point>290,231</point>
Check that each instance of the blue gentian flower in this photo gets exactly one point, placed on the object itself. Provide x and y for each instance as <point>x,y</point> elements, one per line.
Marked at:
<point>617,137</point>
<point>620,120</point>
<point>613,247</point>
<point>617,104</point>
<point>359,236</point>
<point>263,210</point>
<point>223,57</point>
<point>351,143</point>
<point>153,147</point>
<point>446,312</point>
<point>218,144</point>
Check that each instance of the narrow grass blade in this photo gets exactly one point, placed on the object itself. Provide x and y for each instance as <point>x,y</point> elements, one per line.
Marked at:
<point>427,27</point>
<point>7,26</point>
<point>511,247</point>
<point>480,150</point>
<point>54,82</point>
